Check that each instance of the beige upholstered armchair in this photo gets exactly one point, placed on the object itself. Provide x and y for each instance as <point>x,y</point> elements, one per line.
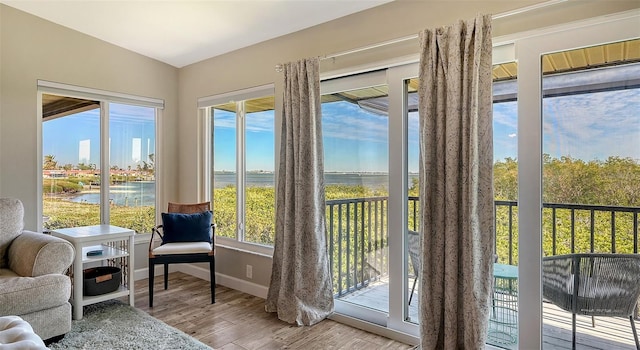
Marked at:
<point>33,284</point>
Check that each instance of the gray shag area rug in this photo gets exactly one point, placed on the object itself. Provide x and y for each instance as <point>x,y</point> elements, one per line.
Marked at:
<point>115,325</point>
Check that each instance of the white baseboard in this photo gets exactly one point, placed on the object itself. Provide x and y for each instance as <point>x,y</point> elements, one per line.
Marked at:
<point>254,289</point>
<point>225,280</point>
<point>142,274</point>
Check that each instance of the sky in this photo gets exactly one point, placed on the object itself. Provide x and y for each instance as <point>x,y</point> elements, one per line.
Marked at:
<point>584,126</point>
<point>259,140</point>
<point>75,138</point>
<point>592,126</point>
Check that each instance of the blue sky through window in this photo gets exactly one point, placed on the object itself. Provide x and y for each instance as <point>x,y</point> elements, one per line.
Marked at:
<point>75,138</point>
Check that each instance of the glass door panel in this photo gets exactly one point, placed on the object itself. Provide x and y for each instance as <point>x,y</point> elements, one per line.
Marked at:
<point>355,135</point>
<point>503,319</point>
<point>591,178</point>
<point>413,201</point>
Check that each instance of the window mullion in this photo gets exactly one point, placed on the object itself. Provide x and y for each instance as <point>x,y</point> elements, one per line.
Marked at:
<point>104,163</point>
<point>241,168</point>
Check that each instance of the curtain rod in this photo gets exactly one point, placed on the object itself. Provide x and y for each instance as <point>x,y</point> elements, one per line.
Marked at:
<point>415,36</point>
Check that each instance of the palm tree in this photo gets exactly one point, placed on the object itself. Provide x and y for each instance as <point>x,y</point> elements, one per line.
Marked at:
<point>49,162</point>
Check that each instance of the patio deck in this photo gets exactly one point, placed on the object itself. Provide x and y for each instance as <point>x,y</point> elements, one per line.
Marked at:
<point>610,332</point>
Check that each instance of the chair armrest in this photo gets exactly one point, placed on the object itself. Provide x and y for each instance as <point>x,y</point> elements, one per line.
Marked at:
<point>154,231</point>
<point>34,254</point>
<point>558,278</point>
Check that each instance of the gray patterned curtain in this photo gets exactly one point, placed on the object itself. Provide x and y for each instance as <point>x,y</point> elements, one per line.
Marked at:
<point>301,290</point>
<point>456,184</point>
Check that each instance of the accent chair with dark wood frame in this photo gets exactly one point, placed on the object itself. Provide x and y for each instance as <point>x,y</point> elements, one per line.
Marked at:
<point>187,236</point>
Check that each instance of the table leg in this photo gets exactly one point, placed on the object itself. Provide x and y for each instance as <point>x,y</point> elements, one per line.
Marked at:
<point>77,284</point>
<point>130,279</point>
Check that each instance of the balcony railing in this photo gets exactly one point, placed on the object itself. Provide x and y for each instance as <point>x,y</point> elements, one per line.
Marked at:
<point>358,239</point>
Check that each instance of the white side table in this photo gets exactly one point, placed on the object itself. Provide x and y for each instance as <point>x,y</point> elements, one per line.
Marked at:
<point>117,248</point>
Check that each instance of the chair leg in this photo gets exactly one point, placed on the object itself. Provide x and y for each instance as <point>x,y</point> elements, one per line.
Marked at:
<point>212,276</point>
<point>635,333</point>
<point>413,289</point>
<point>151,270</point>
<point>166,276</point>
<point>573,327</point>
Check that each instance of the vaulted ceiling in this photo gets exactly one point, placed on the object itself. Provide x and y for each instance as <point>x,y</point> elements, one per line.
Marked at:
<point>184,32</point>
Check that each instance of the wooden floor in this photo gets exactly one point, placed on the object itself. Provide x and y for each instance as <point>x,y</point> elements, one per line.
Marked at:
<point>610,333</point>
<point>238,321</point>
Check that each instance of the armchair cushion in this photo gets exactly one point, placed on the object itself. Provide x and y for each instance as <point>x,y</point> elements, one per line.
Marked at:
<point>179,227</point>
<point>35,254</point>
<point>11,225</point>
<point>23,295</point>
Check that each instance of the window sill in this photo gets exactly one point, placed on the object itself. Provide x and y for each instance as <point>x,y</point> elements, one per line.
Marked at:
<point>244,247</point>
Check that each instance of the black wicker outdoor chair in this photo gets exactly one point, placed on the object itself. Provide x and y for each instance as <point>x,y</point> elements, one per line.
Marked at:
<point>414,258</point>
<point>593,285</point>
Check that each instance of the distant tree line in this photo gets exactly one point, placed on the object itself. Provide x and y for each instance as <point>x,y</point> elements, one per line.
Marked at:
<point>50,163</point>
<point>613,182</point>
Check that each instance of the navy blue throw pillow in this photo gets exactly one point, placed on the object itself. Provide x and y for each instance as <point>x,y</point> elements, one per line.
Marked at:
<point>179,227</point>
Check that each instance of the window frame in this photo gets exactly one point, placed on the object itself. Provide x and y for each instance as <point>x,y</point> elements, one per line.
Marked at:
<point>105,98</point>
<point>205,107</point>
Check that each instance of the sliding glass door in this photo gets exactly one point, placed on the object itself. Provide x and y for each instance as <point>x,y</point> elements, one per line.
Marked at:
<point>365,128</point>
<point>379,119</point>
<point>578,103</point>
<point>355,127</point>
<point>591,174</point>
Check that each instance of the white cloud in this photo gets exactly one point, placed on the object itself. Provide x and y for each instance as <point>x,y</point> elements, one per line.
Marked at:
<point>260,122</point>
<point>343,120</point>
<point>593,126</point>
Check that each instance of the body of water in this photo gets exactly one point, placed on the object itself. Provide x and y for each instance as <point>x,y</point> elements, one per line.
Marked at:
<point>144,193</point>
<point>268,180</point>
<point>137,193</point>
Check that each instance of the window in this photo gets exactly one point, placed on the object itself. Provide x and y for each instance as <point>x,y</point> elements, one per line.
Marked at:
<point>243,161</point>
<point>132,177</point>
<point>86,135</point>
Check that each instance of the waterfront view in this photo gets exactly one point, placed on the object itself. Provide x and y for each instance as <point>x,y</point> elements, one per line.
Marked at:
<point>74,147</point>
<point>376,181</point>
<point>124,194</point>
<point>143,192</point>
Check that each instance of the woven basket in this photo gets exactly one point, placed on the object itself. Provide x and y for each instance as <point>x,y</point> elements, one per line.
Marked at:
<point>101,280</point>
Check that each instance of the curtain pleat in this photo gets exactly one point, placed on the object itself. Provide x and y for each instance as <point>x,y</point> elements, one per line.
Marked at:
<point>301,290</point>
<point>456,185</point>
